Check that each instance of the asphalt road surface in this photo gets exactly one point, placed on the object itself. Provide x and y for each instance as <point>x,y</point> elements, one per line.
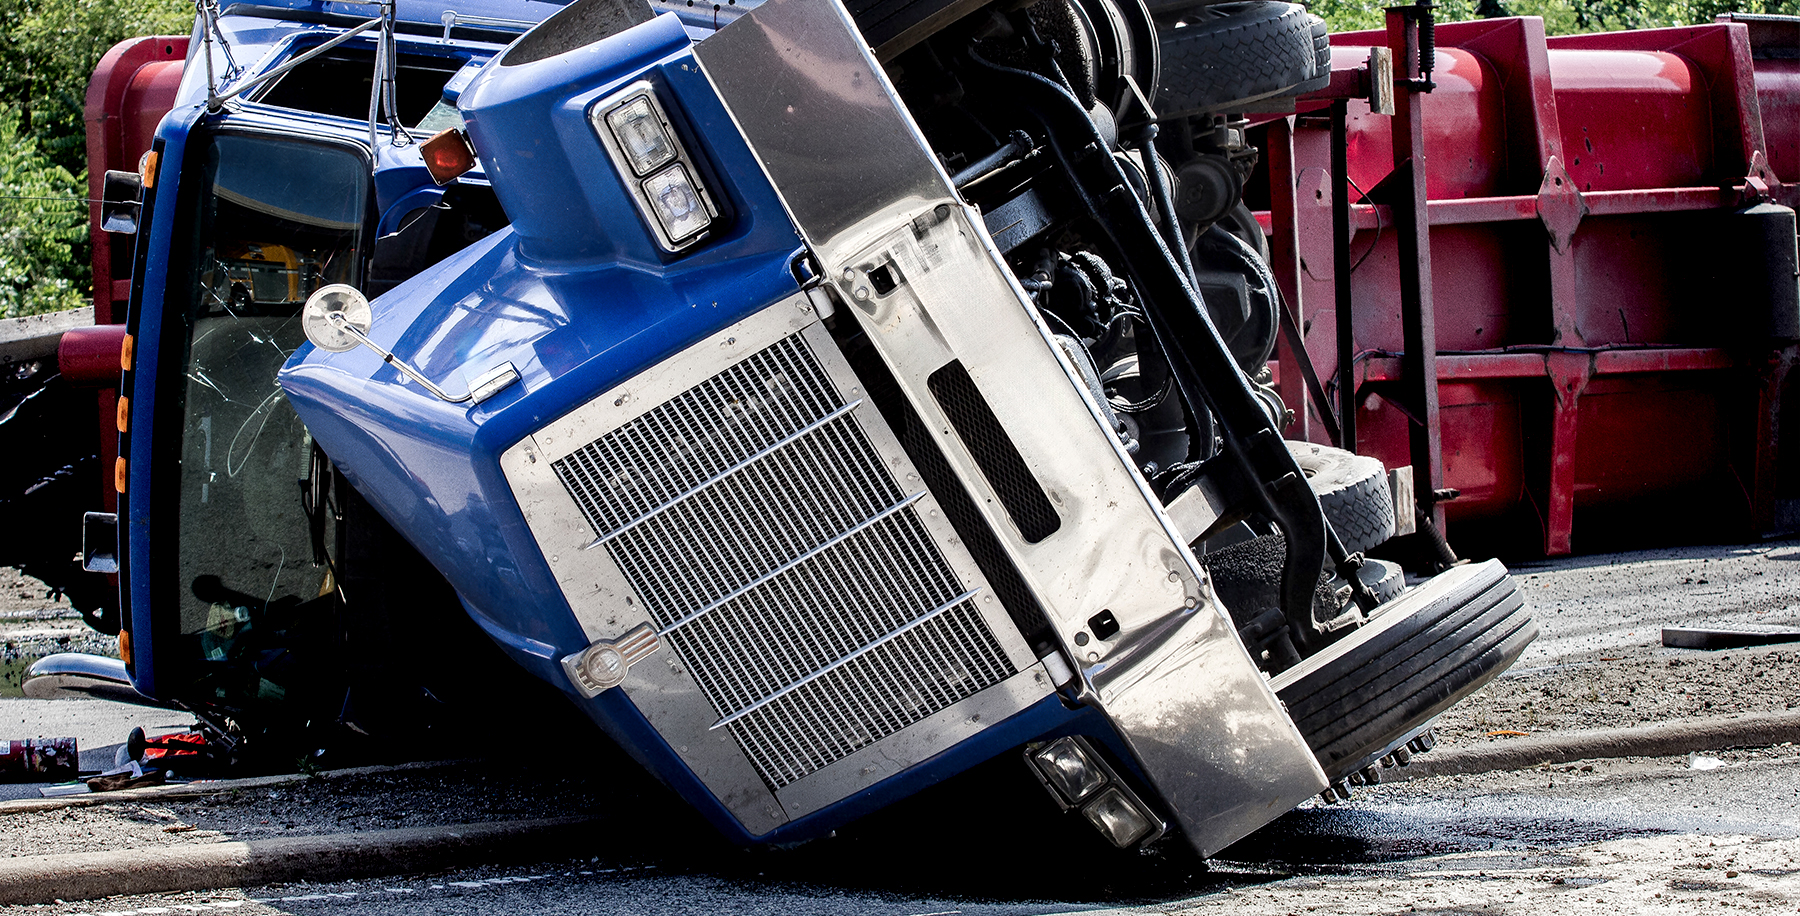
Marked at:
<point>1691,834</point>
<point>1716,832</point>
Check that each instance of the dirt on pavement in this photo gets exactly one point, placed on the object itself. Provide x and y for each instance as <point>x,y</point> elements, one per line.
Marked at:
<point>1600,662</point>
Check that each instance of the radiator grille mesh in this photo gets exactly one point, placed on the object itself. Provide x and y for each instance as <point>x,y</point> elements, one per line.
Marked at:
<point>784,564</point>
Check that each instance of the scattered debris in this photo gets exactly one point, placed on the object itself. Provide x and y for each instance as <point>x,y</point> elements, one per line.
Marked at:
<point>39,760</point>
<point>130,776</point>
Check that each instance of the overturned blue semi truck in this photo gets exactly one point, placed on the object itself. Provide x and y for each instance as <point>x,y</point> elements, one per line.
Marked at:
<point>825,399</point>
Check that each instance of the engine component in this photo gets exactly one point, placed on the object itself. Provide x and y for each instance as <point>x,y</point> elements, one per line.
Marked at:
<point>1206,189</point>
<point>1336,609</point>
<point>1240,295</point>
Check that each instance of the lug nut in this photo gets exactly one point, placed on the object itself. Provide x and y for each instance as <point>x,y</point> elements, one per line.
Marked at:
<point>1402,756</point>
<point>1371,776</point>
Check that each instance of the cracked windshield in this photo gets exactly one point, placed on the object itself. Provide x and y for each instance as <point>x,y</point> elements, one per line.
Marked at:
<point>277,225</point>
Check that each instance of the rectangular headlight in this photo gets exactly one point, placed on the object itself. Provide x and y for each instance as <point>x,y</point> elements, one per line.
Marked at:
<point>1066,767</point>
<point>677,202</point>
<point>1079,778</point>
<point>1119,818</point>
<point>641,135</point>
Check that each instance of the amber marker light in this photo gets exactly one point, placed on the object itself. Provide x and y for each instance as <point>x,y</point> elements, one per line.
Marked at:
<point>447,155</point>
<point>124,413</point>
<point>125,646</point>
<point>127,352</point>
<point>147,168</point>
<point>119,474</point>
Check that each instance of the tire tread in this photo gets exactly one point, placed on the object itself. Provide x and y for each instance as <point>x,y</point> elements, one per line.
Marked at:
<point>1400,672</point>
<point>1272,49</point>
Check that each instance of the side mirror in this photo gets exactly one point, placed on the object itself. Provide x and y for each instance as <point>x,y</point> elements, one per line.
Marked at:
<point>337,318</point>
<point>121,200</point>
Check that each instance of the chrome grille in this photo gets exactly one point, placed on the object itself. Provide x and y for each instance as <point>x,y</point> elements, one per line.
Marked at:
<point>781,561</point>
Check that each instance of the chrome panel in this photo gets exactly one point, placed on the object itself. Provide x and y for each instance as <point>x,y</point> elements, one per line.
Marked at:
<point>1176,680</point>
<point>1239,760</point>
<point>812,599</point>
<point>67,675</point>
<point>819,114</point>
<point>1195,718</point>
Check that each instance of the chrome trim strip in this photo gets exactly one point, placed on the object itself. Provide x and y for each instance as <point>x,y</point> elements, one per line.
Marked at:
<point>853,656</point>
<point>772,574</point>
<point>689,493</point>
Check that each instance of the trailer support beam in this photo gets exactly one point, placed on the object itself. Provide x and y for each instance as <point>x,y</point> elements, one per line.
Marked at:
<point>1404,31</point>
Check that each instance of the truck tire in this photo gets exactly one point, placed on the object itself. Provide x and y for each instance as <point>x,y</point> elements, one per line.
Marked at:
<point>1384,579</point>
<point>1222,55</point>
<point>1425,651</point>
<point>1353,491</point>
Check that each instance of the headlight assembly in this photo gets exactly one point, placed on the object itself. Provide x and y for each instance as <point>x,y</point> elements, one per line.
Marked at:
<point>664,183</point>
<point>1078,778</point>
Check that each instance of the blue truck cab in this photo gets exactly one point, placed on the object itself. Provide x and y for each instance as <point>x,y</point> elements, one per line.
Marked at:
<point>272,176</point>
<point>816,395</point>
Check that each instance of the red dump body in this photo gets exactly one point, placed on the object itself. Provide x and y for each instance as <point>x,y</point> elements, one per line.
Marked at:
<point>131,90</point>
<point>1585,279</point>
<point>1602,331</point>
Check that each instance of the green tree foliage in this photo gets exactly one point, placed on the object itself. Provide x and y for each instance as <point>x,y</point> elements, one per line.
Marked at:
<point>1561,17</point>
<point>50,48</point>
<point>43,223</point>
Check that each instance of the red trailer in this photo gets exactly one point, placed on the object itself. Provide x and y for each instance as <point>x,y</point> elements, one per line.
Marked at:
<point>1603,301</point>
<point>1602,295</point>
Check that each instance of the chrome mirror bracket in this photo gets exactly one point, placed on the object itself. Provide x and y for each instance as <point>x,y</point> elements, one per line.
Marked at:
<point>337,318</point>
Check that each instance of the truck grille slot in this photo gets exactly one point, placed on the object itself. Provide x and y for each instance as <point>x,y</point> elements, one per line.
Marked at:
<point>994,452</point>
<point>782,562</point>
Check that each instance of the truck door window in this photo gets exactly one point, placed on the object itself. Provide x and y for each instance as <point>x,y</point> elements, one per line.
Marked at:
<point>276,219</point>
